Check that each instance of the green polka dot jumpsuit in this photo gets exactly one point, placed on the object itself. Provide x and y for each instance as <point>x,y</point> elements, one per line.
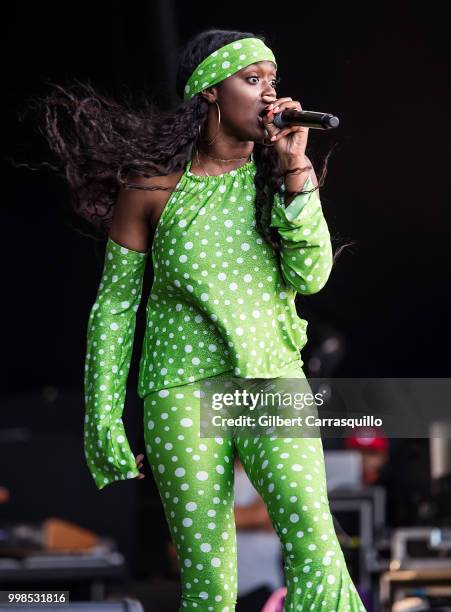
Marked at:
<point>221,305</point>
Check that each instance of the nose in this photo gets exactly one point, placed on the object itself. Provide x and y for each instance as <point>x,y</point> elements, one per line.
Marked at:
<point>268,93</point>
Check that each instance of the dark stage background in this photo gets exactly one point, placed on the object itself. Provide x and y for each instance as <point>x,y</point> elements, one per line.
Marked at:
<point>380,67</point>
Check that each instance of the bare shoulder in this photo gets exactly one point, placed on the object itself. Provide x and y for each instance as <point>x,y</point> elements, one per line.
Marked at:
<point>152,191</point>
<point>138,207</point>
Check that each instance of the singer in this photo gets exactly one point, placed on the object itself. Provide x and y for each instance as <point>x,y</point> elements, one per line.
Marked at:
<point>227,206</point>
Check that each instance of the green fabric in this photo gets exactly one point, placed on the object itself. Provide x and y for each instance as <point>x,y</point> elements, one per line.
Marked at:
<point>219,306</point>
<point>110,334</point>
<point>225,61</point>
<point>195,477</point>
<point>218,303</point>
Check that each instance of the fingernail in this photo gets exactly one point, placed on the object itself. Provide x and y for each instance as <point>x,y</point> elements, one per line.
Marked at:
<point>272,138</point>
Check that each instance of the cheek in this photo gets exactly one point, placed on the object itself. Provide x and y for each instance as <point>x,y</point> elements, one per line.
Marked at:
<point>241,113</point>
<point>238,105</point>
<point>234,115</point>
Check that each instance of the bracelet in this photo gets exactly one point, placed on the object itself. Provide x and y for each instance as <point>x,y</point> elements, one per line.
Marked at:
<point>296,171</point>
<point>288,194</point>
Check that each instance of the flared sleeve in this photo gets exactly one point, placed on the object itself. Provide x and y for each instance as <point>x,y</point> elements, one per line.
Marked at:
<point>110,336</point>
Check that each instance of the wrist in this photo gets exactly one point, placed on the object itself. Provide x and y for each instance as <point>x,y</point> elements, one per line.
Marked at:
<point>292,163</point>
<point>295,179</point>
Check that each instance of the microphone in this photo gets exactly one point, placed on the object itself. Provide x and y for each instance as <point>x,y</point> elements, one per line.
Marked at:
<point>310,119</point>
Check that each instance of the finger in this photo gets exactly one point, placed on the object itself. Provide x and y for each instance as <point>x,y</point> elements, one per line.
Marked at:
<point>139,458</point>
<point>285,101</point>
<point>279,135</point>
<point>268,123</point>
<point>275,133</point>
<point>293,104</point>
<point>283,132</point>
<point>287,106</point>
<point>280,101</point>
<point>268,118</point>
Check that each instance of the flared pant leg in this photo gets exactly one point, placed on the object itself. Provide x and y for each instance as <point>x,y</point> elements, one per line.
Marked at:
<point>289,474</point>
<point>195,478</point>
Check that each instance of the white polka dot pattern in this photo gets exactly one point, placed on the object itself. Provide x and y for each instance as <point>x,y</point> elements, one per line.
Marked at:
<point>110,334</point>
<point>306,257</point>
<point>218,303</point>
<point>225,61</point>
<point>198,501</point>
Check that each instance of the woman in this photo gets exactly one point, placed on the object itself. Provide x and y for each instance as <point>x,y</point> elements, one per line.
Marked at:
<point>228,207</point>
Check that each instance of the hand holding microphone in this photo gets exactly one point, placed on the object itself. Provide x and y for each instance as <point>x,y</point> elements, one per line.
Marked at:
<point>311,119</point>
<point>287,126</point>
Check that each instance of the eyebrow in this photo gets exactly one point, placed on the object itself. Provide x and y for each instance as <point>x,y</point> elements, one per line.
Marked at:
<point>254,66</point>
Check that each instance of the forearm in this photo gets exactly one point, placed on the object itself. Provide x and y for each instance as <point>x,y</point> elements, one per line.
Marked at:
<point>109,347</point>
<point>306,250</point>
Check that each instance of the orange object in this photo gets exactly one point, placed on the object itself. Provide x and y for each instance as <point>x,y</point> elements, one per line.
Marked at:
<point>61,535</point>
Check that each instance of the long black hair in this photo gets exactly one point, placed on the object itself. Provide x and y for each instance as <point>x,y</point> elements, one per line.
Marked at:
<point>98,143</point>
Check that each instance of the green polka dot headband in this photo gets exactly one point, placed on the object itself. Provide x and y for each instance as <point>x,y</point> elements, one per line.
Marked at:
<point>226,61</point>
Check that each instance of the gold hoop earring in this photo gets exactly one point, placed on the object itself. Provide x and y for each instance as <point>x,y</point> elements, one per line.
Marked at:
<point>217,131</point>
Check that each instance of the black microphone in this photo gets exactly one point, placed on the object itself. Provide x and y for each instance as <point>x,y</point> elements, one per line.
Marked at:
<point>310,119</point>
